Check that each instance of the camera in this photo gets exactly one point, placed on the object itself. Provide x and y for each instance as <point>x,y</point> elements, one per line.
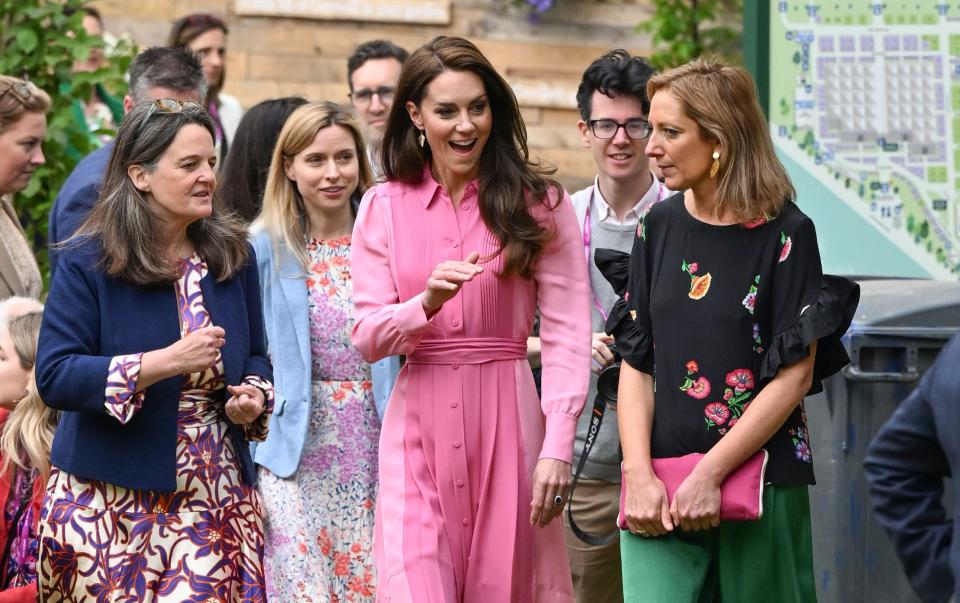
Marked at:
<point>609,379</point>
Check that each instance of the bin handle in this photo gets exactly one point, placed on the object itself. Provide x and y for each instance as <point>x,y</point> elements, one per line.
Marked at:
<point>855,374</point>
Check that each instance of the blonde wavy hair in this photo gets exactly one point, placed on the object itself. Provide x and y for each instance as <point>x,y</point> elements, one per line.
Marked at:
<point>722,100</point>
<point>28,433</point>
<point>283,215</point>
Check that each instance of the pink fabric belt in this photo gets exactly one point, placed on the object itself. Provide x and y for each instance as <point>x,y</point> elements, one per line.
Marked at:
<point>471,350</point>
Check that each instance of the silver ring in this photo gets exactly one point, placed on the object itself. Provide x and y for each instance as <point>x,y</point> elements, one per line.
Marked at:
<point>558,500</point>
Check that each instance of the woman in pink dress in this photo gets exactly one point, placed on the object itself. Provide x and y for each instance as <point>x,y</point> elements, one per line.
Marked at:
<point>451,257</point>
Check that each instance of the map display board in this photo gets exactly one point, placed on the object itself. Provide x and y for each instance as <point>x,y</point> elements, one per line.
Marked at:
<point>863,102</point>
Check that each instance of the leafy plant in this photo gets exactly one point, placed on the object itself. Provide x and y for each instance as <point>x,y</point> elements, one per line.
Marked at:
<point>685,29</point>
<point>40,43</point>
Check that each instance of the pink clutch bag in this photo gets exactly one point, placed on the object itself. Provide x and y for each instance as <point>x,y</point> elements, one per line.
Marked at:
<point>741,494</point>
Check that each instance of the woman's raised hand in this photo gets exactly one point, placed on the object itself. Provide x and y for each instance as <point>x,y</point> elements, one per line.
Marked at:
<point>198,350</point>
<point>446,280</point>
<point>245,404</point>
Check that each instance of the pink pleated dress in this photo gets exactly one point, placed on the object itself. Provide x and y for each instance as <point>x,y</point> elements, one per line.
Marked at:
<point>464,427</point>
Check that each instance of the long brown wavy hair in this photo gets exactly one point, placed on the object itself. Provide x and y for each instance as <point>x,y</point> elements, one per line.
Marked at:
<point>510,184</point>
<point>123,219</point>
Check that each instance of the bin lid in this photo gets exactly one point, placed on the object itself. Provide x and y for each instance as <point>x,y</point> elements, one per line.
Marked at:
<point>910,305</point>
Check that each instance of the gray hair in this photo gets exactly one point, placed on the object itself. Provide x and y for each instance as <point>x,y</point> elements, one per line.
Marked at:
<point>174,68</point>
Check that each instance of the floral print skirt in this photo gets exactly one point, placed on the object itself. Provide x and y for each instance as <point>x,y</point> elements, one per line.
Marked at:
<point>202,542</point>
<point>319,521</point>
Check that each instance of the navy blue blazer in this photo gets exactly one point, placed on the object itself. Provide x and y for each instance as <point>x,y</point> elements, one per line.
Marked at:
<point>76,198</point>
<point>91,317</point>
<point>906,466</point>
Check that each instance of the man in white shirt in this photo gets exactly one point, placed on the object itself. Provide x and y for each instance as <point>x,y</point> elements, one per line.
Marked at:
<point>372,73</point>
<point>613,108</point>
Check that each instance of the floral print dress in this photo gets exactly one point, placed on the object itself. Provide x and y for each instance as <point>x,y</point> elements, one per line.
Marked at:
<point>202,542</point>
<point>320,520</point>
<point>714,312</point>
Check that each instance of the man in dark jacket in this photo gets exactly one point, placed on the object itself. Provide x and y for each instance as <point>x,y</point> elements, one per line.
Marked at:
<point>906,465</point>
<point>155,73</point>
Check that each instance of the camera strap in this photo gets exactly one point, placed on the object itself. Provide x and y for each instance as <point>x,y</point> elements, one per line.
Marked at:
<point>593,431</point>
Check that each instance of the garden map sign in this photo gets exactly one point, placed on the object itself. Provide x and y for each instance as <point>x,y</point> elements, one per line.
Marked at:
<point>864,107</point>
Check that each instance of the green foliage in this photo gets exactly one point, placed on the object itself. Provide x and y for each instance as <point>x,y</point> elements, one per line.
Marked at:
<point>39,43</point>
<point>685,29</point>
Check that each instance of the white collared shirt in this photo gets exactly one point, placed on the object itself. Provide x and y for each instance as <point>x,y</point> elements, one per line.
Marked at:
<point>605,213</point>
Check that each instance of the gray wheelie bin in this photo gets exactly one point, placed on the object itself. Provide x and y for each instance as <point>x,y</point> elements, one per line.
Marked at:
<point>899,328</point>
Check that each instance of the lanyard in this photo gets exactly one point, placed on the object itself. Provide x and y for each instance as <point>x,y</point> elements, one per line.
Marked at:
<point>661,193</point>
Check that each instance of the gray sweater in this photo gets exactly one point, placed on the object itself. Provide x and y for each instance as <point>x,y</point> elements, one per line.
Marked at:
<point>604,461</point>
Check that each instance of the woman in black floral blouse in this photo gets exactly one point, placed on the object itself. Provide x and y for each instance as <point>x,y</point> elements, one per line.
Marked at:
<point>727,301</point>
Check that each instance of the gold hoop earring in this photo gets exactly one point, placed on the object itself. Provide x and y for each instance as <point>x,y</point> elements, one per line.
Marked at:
<point>716,164</point>
<point>421,139</point>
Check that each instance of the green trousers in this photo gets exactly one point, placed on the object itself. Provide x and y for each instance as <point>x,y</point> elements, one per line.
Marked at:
<point>739,562</point>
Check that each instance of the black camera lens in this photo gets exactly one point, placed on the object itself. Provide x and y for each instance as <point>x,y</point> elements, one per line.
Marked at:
<point>609,379</point>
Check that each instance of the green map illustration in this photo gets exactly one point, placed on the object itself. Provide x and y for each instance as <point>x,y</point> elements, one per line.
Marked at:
<point>864,100</point>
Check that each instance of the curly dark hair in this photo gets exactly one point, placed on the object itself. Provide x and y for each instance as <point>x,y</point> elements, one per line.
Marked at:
<point>616,72</point>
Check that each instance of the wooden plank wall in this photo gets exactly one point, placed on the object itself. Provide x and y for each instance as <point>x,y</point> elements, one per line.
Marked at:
<point>271,56</point>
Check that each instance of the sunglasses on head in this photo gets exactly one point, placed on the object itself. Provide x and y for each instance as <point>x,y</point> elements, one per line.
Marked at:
<point>167,105</point>
<point>22,91</point>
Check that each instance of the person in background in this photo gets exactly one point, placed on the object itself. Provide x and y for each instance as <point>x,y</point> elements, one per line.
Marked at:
<point>23,126</point>
<point>244,173</point>
<point>910,463</point>
<point>206,36</point>
<point>456,248</point>
<point>613,104</point>
<point>154,74</point>
<point>727,278</point>
<point>152,345</point>
<point>372,72</point>
<point>318,468</point>
<point>27,431</point>
<point>102,111</point>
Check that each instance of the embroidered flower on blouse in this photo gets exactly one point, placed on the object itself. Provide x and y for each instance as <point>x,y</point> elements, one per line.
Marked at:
<point>750,301</point>
<point>716,413</point>
<point>699,284</point>
<point>787,246</point>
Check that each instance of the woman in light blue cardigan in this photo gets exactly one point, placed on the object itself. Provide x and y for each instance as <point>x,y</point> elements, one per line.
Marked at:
<point>318,467</point>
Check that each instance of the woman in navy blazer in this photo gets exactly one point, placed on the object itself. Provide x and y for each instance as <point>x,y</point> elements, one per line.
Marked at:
<point>152,345</point>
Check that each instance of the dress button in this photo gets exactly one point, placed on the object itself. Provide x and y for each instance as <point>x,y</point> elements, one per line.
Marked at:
<point>454,366</point>
<point>453,405</point>
<point>465,207</point>
<point>456,244</point>
<point>465,521</point>
<point>459,483</point>
<point>456,323</point>
<point>456,443</point>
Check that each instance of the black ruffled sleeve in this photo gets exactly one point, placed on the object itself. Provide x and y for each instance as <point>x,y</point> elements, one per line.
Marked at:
<point>629,319</point>
<point>807,306</point>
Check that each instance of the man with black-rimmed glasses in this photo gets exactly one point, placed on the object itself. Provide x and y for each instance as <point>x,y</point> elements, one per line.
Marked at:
<point>613,106</point>
<point>372,72</point>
